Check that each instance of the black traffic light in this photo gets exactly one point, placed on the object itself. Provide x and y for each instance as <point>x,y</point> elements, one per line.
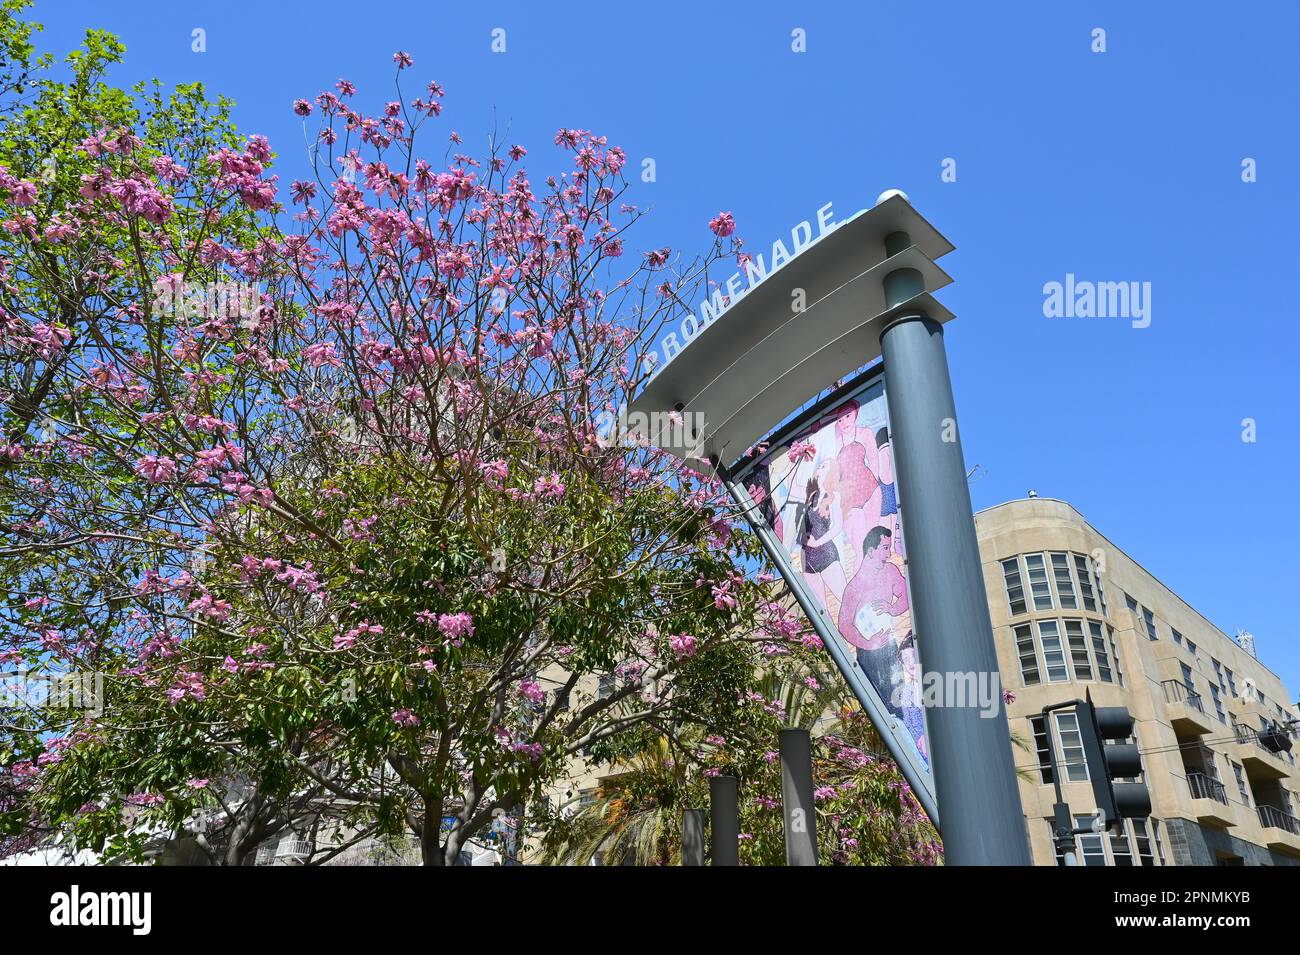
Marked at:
<point>1108,761</point>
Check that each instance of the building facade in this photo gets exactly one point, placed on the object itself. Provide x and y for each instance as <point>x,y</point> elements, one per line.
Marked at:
<point>1072,613</point>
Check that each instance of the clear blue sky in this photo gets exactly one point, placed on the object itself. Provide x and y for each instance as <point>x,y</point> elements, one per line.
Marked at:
<point>1121,166</point>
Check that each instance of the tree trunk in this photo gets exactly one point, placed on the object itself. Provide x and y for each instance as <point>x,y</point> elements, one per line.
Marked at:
<point>430,849</point>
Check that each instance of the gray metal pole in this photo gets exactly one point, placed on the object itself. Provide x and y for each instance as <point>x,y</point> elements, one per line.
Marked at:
<point>724,820</point>
<point>797,804</point>
<point>974,773</point>
<point>692,837</point>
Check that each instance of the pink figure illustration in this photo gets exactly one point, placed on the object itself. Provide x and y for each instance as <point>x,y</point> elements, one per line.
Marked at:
<point>876,594</point>
<point>853,478</point>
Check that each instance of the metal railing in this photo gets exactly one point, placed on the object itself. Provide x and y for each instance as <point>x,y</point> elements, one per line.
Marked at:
<point>1206,787</point>
<point>294,849</point>
<point>1178,692</point>
<point>1270,817</point>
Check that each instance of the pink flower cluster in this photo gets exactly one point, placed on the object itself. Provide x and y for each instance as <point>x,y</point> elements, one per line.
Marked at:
<point>405,717</point>
<point>348,640</point>
<point>155,469</point>
<point>456,627</point>
<point>683,645</point>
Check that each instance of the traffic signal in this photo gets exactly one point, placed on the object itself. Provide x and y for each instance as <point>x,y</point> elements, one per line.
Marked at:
<point>1109,761</point>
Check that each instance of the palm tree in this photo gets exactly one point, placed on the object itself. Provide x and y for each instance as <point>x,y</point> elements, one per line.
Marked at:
<point>634,818</point>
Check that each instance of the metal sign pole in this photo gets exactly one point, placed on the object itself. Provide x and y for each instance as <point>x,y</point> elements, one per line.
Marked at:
<point>912,771</point>
<point>797,797</point>
<point>692,837</point>
<point>974,772</point>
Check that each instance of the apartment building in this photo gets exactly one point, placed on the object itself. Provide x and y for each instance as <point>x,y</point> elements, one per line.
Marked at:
<point>1072,613</point>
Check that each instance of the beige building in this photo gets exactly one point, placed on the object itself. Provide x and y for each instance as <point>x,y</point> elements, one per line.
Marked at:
<point>1072,613</point>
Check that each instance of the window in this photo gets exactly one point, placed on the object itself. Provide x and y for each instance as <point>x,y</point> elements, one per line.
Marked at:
<point>1130,845</point>
<point>1155,836</point>
<point>1178,637</point>
<point>1049,635</point>
<point>1150,621</point>
<point>1043,746</point>
<point>1085,582</point>
<point>1191,648</point>
<point>1078,650</point>
<point>1064,582</point>
<point>1218,704</point>
<point>1072,758</point>
<point>1142,840</point>
<point>1218,671</point>
<point>1015,589</point>
<point>1100,652</point>
<point>1120,850</point>
<point>1028,654</point>
<point>1232,683</point>
<point>1137,610</point>
<point>606,687</point>
<point>1187,678</point>
<point>1038,585</point>
<point>1240,774</point>
<point>1091,846</point>
<point>586,797</point>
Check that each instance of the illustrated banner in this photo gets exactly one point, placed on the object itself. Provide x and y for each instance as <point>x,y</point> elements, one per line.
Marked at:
<point>827,493</point>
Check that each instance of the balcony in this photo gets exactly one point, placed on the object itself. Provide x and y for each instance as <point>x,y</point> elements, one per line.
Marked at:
<point>294,850</point>
<point>1281,829</point>
<point>288,851</point>
<point>1186,711</point>
<point>1270,817</point>
<point>1259,761</point>
<point>1210,801</point>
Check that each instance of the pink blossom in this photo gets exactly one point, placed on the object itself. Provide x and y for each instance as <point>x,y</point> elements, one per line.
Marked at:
<point>723,598</point>
<point>683,645</point>
<point>494,472</point>
<point>549,487</point>
<point>532,690</point>
<point>405,717</point>
<point>349,639</point>
<point>802,451</point>
<point>218,610</point>
<point>456,626</point>
<point>402,59</point>
<point>723,224</point>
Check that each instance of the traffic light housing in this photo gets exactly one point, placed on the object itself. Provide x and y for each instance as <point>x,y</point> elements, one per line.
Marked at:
<point>1109,761</point>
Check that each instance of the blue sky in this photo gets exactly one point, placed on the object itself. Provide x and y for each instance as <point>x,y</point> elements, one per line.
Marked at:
<point>1115,166</point>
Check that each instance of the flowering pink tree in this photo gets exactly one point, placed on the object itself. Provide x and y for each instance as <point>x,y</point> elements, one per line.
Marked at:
<point>311,476</point>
